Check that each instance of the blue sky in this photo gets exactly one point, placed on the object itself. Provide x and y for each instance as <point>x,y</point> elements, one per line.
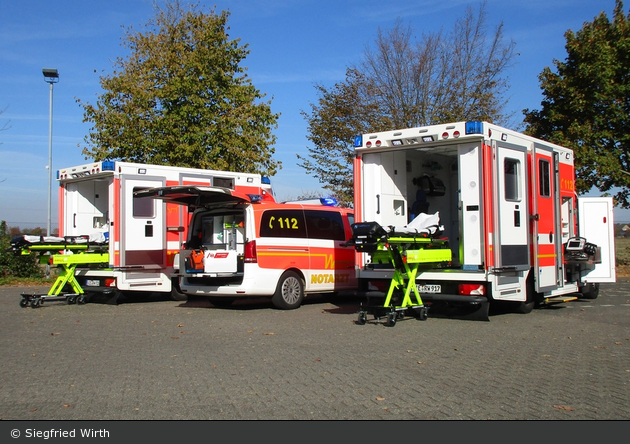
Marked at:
<point>293,45</point>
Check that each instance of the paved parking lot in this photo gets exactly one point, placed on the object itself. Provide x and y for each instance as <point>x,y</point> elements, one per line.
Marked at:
<point>161,360</point>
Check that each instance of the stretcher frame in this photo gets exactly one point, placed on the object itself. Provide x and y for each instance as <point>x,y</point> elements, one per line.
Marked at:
<point>72,255</point>
<point>408,254</point>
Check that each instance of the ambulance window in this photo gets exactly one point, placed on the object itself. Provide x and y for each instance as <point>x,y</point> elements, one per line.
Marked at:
<point>283,223</point>
<point>143,207</point>
<point>544,176</point>
<point>324,225</point>
<point>224,183</point>
<point>512,169</point>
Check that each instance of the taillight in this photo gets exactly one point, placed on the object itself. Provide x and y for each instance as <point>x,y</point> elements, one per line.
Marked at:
<point>110,282</point>
<point>472,289</point>
<point>250,253</point>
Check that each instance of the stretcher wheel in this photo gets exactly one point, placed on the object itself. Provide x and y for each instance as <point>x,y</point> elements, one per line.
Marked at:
<point>72,300</point>
<point>422,314</point>
<point>24,302</point>
<point>36,302</point>
<point>362,319</point>
<point>81,300</point>
<point>391,319</point>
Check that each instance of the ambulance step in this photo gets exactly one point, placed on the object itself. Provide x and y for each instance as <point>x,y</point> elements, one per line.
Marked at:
<point>560,299</point>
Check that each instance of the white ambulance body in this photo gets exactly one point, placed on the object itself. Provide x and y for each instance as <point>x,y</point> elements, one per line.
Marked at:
<point>143,236</point>
<point>507,201</point>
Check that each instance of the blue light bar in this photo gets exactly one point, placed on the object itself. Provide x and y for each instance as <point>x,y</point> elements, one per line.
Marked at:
<point>109,165</point>
<point>358,141</point>
<point>255,198</point>
<point>265,180</point>
<point>474,127</point>
<point>328,201</point>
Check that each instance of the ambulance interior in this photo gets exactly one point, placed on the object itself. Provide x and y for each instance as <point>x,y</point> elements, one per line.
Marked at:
<point>87,207</point>
<point>428,180</point>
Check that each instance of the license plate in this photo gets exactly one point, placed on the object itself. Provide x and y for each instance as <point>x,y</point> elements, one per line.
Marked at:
<point>92,282</point>
<point>429,289</point>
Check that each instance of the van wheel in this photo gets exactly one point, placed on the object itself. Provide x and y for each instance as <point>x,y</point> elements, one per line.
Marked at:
<point>290,292</point>
<point>590,291</point>
<point>176,292</point>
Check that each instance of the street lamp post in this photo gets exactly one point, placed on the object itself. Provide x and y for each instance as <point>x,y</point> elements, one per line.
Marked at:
<point>51,76</point>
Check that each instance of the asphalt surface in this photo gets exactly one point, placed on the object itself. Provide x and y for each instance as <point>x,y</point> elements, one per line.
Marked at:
<point>165,360</point>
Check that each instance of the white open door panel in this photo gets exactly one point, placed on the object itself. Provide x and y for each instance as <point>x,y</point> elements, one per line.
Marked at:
<point>596,225</point>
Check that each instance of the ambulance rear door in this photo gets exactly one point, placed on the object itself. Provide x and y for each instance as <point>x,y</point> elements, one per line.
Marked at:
<point>511,220</point>
<point>596,225</point>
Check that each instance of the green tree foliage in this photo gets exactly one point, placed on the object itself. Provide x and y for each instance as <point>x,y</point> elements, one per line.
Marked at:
<point>586,104</point>
<point>182,98</point>
<point>12,264</point>
<point>446,77</point>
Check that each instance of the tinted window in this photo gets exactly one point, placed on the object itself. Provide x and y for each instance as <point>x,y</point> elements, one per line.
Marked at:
<point>512,169</point>
<point>324,225</point>
<point>143,207</point>
<point>282,223</point>
<point>544,178</point>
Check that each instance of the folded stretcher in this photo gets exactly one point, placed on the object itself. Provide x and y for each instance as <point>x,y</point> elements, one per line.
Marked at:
<point>66,253</point>
<point>408,250</point>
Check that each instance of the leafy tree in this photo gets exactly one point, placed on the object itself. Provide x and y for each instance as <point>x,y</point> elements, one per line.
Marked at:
<point>12,264</point>
<point>586,104</point>
<point>181,98</point>
<point>446,77</point>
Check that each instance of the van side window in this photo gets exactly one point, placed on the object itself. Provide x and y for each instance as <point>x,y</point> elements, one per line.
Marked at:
<point>283,223</point>
<point>324,225</point>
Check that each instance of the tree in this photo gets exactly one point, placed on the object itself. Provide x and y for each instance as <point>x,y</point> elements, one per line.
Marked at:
<point>181,98</point>
<point>446,77</point>
<point>586,104</point>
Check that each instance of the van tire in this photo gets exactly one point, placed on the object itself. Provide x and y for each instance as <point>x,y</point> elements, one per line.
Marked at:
<point>176,293</point>
<point>290,291</point>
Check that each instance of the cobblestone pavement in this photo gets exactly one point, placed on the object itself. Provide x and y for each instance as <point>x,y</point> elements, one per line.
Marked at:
<point>163,360</point>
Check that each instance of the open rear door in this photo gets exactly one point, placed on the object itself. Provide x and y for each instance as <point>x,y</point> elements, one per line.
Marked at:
<point>547,238</point>
<point>596,225</point>
<point>511,216</point>
<point>143,234</point>
<point>195,196</point>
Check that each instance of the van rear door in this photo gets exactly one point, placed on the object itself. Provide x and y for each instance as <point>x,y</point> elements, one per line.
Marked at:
<point>196,196</point>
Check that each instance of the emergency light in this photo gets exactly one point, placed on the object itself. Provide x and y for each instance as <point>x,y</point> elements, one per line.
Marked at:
<point>328,201</point>
<point>109,165</point>
<point>474,127</point>
<point>255,198</point>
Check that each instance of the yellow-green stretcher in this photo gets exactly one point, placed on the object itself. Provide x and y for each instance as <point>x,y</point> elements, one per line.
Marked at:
<point>407,253</point>
<point>67,256</point>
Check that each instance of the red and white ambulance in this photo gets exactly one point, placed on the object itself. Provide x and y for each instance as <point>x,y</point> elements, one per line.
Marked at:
<point>142,237</point>
<point>516,227</point>
<point>240,245</point>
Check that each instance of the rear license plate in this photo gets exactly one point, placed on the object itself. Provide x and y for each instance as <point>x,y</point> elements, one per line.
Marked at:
<point>92,283</point>
<point>429,288</point>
